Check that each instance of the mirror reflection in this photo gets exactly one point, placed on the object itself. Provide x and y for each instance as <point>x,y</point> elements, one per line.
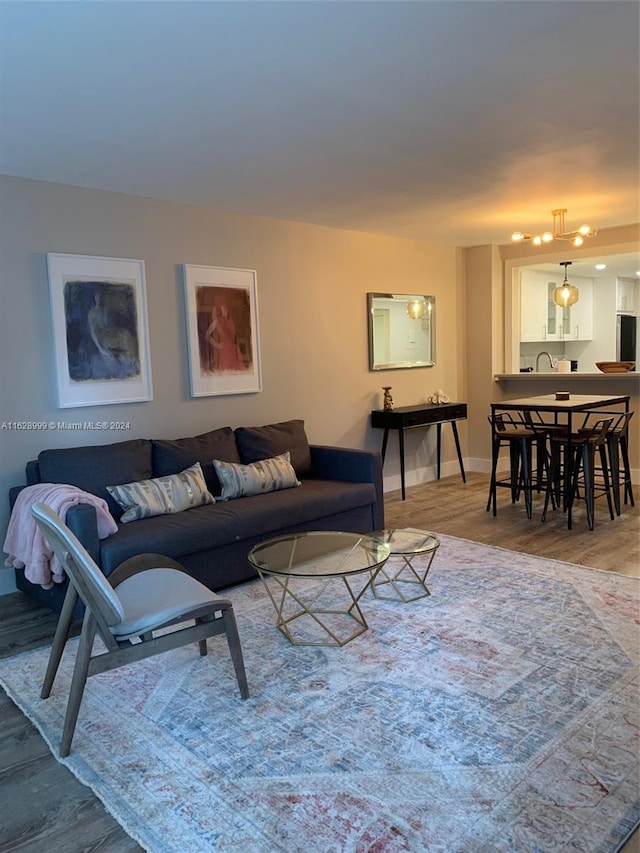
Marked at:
<point>401,330</point>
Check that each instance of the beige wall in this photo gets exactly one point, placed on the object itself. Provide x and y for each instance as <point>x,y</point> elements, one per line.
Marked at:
<point>484,309</point>
<point>312,285</point>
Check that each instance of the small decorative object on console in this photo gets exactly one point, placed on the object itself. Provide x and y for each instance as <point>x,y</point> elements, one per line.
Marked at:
<point>563,395</point>
<point>387,403</point>
<point>439,398</point>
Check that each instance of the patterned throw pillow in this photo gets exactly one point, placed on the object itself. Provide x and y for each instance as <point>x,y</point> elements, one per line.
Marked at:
<point>267,475</point>
<point>162,496</point>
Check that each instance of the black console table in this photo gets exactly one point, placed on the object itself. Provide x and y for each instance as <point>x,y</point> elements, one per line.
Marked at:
<point>410,417</point>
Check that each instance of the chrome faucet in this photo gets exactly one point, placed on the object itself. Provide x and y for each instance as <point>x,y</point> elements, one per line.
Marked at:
<point>548,355</point>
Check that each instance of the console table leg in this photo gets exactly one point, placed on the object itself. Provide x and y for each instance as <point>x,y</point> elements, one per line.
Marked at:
<point>438,445</point>
<point>454,427</point>
<point>385,438</point>
<point>401,442</point>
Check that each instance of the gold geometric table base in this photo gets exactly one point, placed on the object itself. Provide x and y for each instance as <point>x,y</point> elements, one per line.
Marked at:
<point>318,612</point>
<point>315,580</point>
<point>404,582</point>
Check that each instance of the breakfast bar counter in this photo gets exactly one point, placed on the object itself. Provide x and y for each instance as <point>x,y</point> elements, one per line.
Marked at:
<point>604,380</point>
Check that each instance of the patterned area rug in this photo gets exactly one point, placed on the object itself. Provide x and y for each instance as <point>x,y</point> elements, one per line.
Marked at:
<point>498,714</point>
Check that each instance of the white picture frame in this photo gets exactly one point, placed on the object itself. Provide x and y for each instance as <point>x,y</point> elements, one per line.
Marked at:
<point>222,330</point>
<point>100,330</point>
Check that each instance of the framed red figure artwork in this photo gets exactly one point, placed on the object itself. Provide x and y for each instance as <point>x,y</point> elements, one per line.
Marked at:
<point>222,330</point>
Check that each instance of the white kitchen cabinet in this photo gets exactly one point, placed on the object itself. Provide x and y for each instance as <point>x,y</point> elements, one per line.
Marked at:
<point>581,314</point>
<point>542,320</point>
<point>626,296</point>
<point>533,308</point>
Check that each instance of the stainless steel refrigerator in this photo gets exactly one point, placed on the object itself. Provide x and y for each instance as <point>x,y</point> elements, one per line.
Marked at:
<point>626,338</point>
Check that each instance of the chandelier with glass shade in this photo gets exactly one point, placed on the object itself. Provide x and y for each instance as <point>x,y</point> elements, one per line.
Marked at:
<point>565,294</point>
<point>576,238</point>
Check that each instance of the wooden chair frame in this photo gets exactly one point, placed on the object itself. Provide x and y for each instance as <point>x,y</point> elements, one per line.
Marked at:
<point>104,612</point>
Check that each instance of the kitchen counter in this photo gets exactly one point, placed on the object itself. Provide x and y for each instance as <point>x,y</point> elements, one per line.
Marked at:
<point>632,376</point>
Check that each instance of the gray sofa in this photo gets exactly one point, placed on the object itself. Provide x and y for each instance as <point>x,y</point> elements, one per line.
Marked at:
<point>341,490</point>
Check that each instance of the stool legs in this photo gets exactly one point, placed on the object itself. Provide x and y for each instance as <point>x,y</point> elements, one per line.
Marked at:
<point>613,448</point>
<point>554,479</point>
<point>588,457</point>
<point>580,459</point>
<point>525,458</point>
<point>495,451</point>
<point>618,447</point>
<point>628,489</point>
<point>519,472</point>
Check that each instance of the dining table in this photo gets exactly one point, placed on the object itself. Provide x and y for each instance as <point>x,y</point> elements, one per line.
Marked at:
<point>563,411</point>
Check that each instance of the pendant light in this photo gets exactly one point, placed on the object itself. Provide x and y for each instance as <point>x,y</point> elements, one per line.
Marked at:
<point>565,294</point>
<point>416,308</point>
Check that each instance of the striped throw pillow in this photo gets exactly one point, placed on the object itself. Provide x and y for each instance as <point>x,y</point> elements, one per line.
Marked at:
<point>162,496</point>
<point>267,475</point>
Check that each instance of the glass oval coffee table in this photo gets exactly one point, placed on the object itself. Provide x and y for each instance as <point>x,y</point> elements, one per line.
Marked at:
<point>404,582</point>
<point>315,582</point>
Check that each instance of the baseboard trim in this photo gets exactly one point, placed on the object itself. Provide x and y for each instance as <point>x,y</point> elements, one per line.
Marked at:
<point>475,465</point>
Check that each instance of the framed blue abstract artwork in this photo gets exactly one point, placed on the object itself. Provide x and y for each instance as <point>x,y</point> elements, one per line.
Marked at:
<point>101,339</point>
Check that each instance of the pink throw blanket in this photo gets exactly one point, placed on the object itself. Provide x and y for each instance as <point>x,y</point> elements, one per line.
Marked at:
<point>26,546</point>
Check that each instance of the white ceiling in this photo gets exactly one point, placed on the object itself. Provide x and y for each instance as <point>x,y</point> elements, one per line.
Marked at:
<point>453,121</point>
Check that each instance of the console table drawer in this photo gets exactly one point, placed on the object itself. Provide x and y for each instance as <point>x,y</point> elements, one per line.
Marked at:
<point>437,414</point>
<point>458,412</point>
<point>419,418</point>
<point>406,417</point>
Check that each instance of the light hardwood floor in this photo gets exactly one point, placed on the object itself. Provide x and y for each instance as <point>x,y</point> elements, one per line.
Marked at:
<point>448,506</point>
<point>45,808</point>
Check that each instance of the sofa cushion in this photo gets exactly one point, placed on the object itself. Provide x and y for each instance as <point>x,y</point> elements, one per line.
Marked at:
<point>267,475</point>
<point>96,467</point>
<point>261,516</point>
<point>170,457</point>
<point>229,523</point>
<point>265,442</point>
<point>163,495</point>
<point>200,529</point>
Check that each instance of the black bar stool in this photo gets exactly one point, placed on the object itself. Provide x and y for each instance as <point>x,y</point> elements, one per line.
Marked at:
<point>544,430</point>
<point>621,433</point>
<point>579,451</point>
<point>618,449</point>
<point>513,433</point>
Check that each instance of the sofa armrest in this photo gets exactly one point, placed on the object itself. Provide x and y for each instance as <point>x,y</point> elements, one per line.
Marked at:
<point>354,466</point>
<point>344,463</point>
<point>33,477</point>
<point>82,521</point>
<point>14,491</point>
